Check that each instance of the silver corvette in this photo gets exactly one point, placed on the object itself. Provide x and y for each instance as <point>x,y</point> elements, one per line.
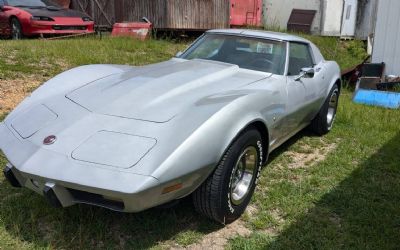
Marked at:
<point>201,124</point>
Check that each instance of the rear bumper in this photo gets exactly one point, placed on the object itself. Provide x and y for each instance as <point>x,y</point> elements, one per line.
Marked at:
<point>62,180</point>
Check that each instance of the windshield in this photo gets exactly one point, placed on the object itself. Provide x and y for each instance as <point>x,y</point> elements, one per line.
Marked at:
<point>246,52</point>
<point>32,3</point>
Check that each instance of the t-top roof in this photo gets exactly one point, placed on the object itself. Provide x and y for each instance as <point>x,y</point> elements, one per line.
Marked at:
<point>260,33</point>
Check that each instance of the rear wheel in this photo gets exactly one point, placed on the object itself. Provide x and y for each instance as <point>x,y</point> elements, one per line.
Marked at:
<point>324,120</point>
<point>16,29</point>
<point>226,193</point>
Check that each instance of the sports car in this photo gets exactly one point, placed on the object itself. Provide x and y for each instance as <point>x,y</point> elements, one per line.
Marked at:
<point>202,124</point>
<point>19,18</point>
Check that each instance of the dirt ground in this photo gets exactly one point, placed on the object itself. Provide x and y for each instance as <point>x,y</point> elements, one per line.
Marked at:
<point>14,91</point>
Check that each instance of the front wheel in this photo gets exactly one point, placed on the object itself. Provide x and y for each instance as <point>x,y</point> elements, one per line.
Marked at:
<point>323,122</point>
<point>225,195</point>
<point>16,29</point>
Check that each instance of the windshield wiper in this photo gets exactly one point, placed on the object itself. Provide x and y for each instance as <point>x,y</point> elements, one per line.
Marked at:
<point>38,7</point>
<point>30,7</point>
<point>51,7</point>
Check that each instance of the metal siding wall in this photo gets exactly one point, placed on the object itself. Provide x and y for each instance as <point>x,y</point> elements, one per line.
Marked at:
<point>102,11</point>
<point>387,36</point>
<point>154,10</point>
<point>365,19</point>
<point>164,14</point>
<point>197,14</point>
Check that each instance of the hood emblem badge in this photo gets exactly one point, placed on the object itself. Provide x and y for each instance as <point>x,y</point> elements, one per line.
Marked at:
<point>49,140</point>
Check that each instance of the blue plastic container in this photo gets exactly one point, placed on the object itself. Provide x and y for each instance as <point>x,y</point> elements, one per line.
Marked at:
<point>377,98</point>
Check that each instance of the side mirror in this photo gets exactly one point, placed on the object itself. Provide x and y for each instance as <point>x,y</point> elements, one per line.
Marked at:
<point>305,73</point>
<point>179,54</point>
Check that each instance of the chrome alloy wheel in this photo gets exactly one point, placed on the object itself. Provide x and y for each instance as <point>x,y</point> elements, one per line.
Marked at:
<point>243,174</point>
<point>333,103</point>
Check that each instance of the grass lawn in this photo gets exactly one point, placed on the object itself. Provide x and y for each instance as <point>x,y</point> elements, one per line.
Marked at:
<point>338,191</point>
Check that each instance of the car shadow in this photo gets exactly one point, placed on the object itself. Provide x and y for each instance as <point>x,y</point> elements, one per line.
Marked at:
<point>28,217</point>
<point>287,144</point>
<point>362,212</point>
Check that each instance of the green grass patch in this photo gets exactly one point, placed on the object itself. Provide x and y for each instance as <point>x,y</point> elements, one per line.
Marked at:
<point>47,58</point>
<point>345,53</point>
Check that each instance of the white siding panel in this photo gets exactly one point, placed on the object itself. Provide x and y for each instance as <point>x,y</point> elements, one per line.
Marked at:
<point>387,36</point>
<point>349,18</point>
<point>333,10</point>
<point>396,55</point>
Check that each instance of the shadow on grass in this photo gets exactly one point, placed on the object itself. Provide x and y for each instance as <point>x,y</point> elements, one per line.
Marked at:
<point>289,143</point>
<point>29,218</point>
<point>363,211</point>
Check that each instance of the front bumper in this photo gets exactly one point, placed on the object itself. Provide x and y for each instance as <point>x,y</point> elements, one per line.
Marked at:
<point>54,28</point>
<point>10,177</point>
<point>60,196</point>
<point>62,180</point>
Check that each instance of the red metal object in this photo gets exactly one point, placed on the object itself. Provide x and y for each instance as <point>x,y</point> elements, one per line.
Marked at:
<point>246,12</point>
<point>139,30</point>
<point>62,21</point>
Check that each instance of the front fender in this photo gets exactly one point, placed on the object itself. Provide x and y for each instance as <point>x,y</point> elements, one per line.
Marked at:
<point>200,153</point>
<point>333,75</point>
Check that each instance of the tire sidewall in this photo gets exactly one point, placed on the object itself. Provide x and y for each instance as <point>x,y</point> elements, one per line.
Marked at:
<point>229,211</point>
<point>18,24</point>
<point>335,89</point>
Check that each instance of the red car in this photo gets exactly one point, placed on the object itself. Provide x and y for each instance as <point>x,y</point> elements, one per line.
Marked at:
<point>19,18</point>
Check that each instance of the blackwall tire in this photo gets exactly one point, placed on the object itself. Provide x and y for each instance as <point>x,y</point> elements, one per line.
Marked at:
<point>325,118</point>
<point>226,193</point>
<point>16,29</point>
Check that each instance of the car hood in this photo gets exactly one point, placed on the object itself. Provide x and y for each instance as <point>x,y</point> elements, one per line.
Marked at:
<point>158,92</point>
<point>128,118</point>
<point>54,12</point>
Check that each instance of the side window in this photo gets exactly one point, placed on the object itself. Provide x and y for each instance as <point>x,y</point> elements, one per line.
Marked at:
<point>299,57</point>
<point>2,3</point>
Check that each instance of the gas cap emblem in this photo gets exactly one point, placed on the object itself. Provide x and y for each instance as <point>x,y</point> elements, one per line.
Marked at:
<point>49,140</point>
